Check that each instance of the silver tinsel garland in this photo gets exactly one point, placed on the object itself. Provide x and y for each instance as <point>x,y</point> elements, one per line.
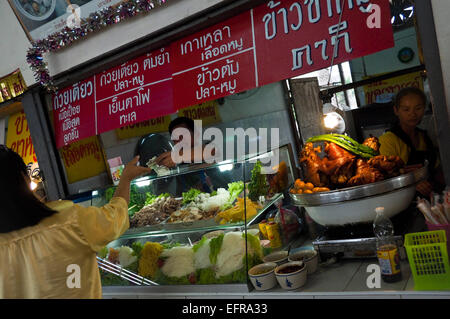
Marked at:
<point>94,22</point>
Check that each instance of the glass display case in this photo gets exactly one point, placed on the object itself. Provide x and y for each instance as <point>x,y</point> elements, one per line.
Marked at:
<point>198,224</point>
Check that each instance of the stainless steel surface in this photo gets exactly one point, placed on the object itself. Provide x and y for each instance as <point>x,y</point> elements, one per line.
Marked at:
<point>200,226</point>
<point>359,192</point>
<point>353,248</point>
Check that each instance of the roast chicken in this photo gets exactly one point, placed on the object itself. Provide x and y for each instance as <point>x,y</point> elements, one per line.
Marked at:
<point>340,168</point>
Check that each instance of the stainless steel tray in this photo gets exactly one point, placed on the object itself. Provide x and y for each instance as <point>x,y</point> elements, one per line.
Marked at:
<point>358,192</point>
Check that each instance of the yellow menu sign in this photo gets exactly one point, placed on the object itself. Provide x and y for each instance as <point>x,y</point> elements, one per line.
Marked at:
<point>383,91</point>
<point>19,140</point>
<point>11,86</point>
<point>158,124</point>
<point>83,159</point>
<point>208,112</point>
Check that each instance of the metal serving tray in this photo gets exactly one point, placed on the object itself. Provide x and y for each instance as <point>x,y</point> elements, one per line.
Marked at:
<point>359,192</point>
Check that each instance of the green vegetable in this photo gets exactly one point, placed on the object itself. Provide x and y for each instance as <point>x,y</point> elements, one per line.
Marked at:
<point>137,199</point>
<point>137,248</point>
<point>253,260</point>
<point>109,193</point>
<point>205,276</point>
<point>103,252</point>
<point>346,143</point>
<point>234,189</point>
<point>109,279</point>
<point>134,267</point>
<point>253,245</point>
<point>258,184</point>
<point>236,276</point>
<point>165,280</point>
<point>213,193</point>
<point>199,244</point>
<point>153,198</point>
<point>170,245</point>
<point>190,195</point>
<point>214,247</point>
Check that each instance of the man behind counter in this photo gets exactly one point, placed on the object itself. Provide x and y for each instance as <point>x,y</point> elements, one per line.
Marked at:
<point>185,140</point>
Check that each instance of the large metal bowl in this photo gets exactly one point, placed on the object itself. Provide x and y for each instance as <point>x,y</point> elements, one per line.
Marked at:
<point>357,204</point>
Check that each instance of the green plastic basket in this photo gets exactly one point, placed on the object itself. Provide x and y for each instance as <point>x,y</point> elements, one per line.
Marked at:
<point>428,259</point>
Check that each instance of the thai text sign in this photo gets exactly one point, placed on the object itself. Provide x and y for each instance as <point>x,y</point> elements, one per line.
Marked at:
<point>19,140</point>
<point>272,42</point>
<point>295,37</point>
<point>11,85</point>
<point>83,159</point>
<point>74,112</point>
<point>207,112</point>
<point>154,125</point>
<point>385,90</point>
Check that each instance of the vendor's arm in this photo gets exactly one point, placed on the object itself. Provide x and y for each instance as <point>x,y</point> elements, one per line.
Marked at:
<point>130,172</point>
<point>101,225</point>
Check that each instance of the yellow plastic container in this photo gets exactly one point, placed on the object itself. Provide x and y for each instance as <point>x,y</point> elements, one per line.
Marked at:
<point>428,259</point>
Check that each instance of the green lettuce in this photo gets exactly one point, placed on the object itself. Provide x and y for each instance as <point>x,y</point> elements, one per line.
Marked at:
<point>199,244</point>
<point>103,252</point>
<point>170,245</point>
<point>166,280</point>
<point>258,185</point>
<point>234,189</point>
<point>190,195</point>
<point>109,279</point>
<point>214,248</point>
<point>134,267</point>
<point>137,248</point>
<point>253,245</point>
<point>151,198</point>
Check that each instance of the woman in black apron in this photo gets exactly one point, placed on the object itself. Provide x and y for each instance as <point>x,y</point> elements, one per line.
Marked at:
<point>409,107</point>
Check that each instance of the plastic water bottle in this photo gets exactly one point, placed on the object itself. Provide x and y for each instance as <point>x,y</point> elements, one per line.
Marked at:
<point>387,251</point>
<point>382,226</point>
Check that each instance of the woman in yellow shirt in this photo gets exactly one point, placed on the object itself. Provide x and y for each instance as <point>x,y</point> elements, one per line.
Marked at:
<point>49,250</point>
<point>409,142</point>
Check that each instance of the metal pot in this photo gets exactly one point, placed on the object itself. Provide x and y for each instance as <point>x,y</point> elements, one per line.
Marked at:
<point>357,204</point>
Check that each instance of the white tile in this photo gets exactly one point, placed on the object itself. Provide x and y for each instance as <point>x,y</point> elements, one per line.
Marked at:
<point>332,278</point>
<point>359,280</point>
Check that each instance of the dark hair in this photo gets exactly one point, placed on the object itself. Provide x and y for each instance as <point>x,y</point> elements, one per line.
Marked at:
<point>181,121</point>
<point>408,91</point>
<point>20,208</point>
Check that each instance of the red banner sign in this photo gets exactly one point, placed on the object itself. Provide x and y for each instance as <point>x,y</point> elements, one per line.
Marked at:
<point>275,41</point>
<point>298,37</point>
<point>74,112</point>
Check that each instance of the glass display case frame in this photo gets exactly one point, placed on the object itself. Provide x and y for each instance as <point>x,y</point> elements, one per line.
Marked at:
<point>189,233</point>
